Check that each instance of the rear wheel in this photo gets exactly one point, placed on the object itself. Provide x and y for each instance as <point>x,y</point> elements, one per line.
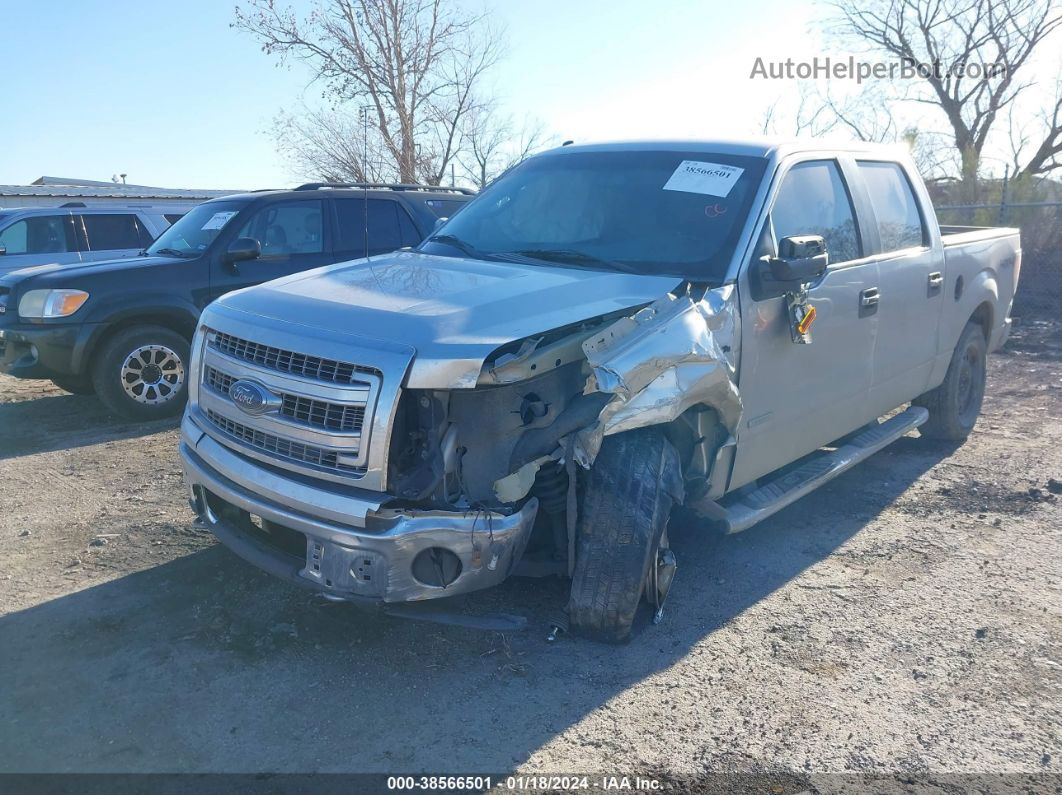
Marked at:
<point>621,541</point>
<point>75,384</point>
<point>955,405</point>
<point>141,373</point>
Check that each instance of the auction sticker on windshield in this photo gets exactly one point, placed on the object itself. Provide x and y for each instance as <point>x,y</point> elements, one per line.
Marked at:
<point>218,220</point>
<point>712,179</point>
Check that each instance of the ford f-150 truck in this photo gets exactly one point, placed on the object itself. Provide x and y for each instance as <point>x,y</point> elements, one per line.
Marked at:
<point>603,333</point>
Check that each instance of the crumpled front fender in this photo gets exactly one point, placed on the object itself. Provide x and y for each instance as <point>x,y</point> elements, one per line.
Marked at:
<point>669,356</point>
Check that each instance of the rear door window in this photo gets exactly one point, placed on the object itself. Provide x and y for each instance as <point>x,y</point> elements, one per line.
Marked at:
<point>895,207</point>
<point>45,234</point>
<point>813,200</point>
<point>387,222</point>
<point>107,232</point>
<point>385,231</point>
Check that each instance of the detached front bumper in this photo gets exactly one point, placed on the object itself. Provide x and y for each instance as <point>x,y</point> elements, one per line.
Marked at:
<point>344,545</point>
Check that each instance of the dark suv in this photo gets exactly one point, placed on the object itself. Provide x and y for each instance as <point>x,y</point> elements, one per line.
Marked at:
<point>121,328</point>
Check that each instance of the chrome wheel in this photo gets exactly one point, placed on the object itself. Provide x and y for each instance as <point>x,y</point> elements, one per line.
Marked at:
<point>152,374</point>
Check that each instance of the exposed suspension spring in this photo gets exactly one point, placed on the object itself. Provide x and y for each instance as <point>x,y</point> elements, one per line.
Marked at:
<point>551,488</point>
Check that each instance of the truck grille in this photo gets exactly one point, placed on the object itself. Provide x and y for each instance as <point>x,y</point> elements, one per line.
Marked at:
<point>308,411</point>
<point>282,448</point>
<point>283,361</point>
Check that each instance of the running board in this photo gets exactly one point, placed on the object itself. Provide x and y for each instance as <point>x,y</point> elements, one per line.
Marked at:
<point>775,494</point>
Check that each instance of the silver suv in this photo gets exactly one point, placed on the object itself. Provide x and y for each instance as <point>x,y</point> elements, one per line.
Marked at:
<point>75,233</point>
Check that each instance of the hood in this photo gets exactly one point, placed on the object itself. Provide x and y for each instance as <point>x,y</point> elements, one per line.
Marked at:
<point>77,270</point>
<point>452,312</point>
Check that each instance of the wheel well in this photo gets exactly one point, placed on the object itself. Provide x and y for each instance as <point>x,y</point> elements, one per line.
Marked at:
<point>183,326</point>
<point>982,316</point>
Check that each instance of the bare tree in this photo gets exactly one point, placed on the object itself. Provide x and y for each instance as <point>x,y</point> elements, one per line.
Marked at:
<point>332,146</point>
<point>1046,156</point>
<point>415,63</point>
<point>942,40</point>
<point>493,144</point>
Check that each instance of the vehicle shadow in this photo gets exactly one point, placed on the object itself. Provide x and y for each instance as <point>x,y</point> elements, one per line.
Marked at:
<point>61,422</point>
<point>206,664</point>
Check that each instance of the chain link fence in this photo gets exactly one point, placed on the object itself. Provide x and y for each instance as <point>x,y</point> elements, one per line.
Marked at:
<point>1040,288</point>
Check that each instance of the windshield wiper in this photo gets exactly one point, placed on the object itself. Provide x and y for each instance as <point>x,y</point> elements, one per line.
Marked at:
<point>570,256</point>
<point>464,247</point>
<point>173,252</point>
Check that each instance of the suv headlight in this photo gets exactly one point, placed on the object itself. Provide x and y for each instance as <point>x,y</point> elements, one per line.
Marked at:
<point>51,303</point>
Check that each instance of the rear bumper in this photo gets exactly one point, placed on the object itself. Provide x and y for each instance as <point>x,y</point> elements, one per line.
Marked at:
<point>340,544</point>
<point>44,351</point>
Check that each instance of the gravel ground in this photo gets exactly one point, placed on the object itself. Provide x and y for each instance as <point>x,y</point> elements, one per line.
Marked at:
<point>904,620</point>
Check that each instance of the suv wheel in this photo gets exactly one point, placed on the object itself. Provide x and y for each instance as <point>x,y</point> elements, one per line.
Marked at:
<point>141,373</point>
<point>955,405</point>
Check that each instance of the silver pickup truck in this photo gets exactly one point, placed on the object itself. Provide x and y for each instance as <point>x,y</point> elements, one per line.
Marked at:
<point>603,333</point>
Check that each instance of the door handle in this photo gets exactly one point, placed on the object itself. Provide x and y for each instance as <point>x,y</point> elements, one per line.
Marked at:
<point>869,296</point>
<point>936,279</point>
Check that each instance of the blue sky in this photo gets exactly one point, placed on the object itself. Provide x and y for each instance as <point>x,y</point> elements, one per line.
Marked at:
<point>171,95</point>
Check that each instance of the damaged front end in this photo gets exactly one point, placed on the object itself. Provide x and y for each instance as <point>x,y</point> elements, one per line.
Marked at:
<point>542,406</point>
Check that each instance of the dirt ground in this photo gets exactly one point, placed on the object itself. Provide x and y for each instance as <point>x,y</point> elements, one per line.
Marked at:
<point>904,620</point>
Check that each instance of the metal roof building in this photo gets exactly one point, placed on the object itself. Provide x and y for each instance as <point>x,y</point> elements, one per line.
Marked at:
<point>56,191</point>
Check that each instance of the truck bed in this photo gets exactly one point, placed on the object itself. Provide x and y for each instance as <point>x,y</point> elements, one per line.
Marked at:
<point>957,235</point>
<point>980,261</point>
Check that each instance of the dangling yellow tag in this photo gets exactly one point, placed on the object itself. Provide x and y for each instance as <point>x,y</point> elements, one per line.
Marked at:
<point>805,322</point>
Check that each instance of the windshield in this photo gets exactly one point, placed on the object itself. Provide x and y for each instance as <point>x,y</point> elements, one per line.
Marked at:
<point>194,231</point>
<point>648,212</point>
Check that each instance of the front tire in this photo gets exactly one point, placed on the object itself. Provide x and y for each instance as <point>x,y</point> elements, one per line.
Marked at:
<point>142,373</point>
<point>626,501</point>
<point>955,405</point>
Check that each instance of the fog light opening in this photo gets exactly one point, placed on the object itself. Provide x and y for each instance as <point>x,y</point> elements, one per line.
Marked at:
<point>436,567</point>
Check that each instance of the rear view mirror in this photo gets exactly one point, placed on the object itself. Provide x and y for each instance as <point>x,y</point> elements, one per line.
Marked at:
<point>801,258</point>
<point>242,249</point>
<point>440,221</point>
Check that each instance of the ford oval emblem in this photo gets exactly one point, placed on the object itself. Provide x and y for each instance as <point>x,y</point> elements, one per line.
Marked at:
<point>253,398</point>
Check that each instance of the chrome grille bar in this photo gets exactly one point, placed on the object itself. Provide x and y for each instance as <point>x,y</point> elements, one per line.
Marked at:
<point>284,361</point>
<point>325,414</point>
<point>288,449</point>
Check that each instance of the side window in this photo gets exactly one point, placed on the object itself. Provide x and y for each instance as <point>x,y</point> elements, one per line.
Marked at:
<point>384,232</point>
<point>410,235</point>
<point>388,224</point>
<point>899,222</point>
<point>46,234</point>
<point>172,218</point>
<point>113,231</point>
<point>813,201</point>
<point>146,238</point>
<point>285,229</point>
<point>350,229</point>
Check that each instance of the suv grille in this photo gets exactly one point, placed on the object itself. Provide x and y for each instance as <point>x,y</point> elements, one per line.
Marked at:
<point>308,411</point>
<point>287,361</point>
<point>282,448</point>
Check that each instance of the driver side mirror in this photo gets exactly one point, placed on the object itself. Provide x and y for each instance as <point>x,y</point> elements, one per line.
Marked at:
<point>242,249</point>
<point>3,250</point>
<point>801,259</point>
